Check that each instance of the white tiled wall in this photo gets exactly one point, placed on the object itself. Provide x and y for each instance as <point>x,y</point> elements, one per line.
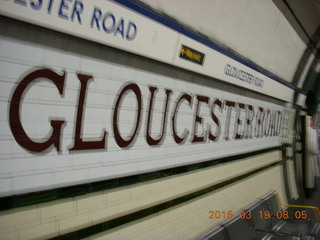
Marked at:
<point>191,219</point>
<point>22,171</point>
<point>63,216</point>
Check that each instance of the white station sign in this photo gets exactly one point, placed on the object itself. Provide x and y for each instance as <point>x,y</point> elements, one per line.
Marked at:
<point>115,25</point>
<point>61,127</point>
<point>68,119</point>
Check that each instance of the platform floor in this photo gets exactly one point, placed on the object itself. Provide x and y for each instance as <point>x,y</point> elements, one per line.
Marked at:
<point>314,198</point>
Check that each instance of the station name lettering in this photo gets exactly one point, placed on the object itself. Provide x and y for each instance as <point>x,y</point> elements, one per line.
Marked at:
<point>248,121</point>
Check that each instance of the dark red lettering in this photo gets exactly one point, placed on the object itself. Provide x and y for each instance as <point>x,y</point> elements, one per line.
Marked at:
<point>238,121</point>
<point>198,119</point>
<point>259,122</point>
<point>278,121</point>
<point>215,137</point>
<point>267,123</point>
<point>177,138</point>
<point>14,112</point>
<point>249,119</point>
<point>136,90</point>
<point>151,141</point>
<point>79,143</point>
<point>229,105</point>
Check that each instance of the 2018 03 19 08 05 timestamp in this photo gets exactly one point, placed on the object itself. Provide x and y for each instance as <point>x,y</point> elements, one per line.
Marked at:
<point>281,214</point>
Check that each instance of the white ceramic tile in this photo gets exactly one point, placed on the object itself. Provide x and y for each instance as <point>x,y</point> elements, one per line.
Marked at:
<point>17,50</point>
<point>33,183</point>
<point>6,185</point>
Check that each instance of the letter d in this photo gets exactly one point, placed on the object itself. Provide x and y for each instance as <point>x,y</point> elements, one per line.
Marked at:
<point>131,31</point>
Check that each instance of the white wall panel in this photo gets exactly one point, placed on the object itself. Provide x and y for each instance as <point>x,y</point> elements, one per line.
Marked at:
<point>100,21</point>
<point>276,49</point>
<point>26,171</point>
